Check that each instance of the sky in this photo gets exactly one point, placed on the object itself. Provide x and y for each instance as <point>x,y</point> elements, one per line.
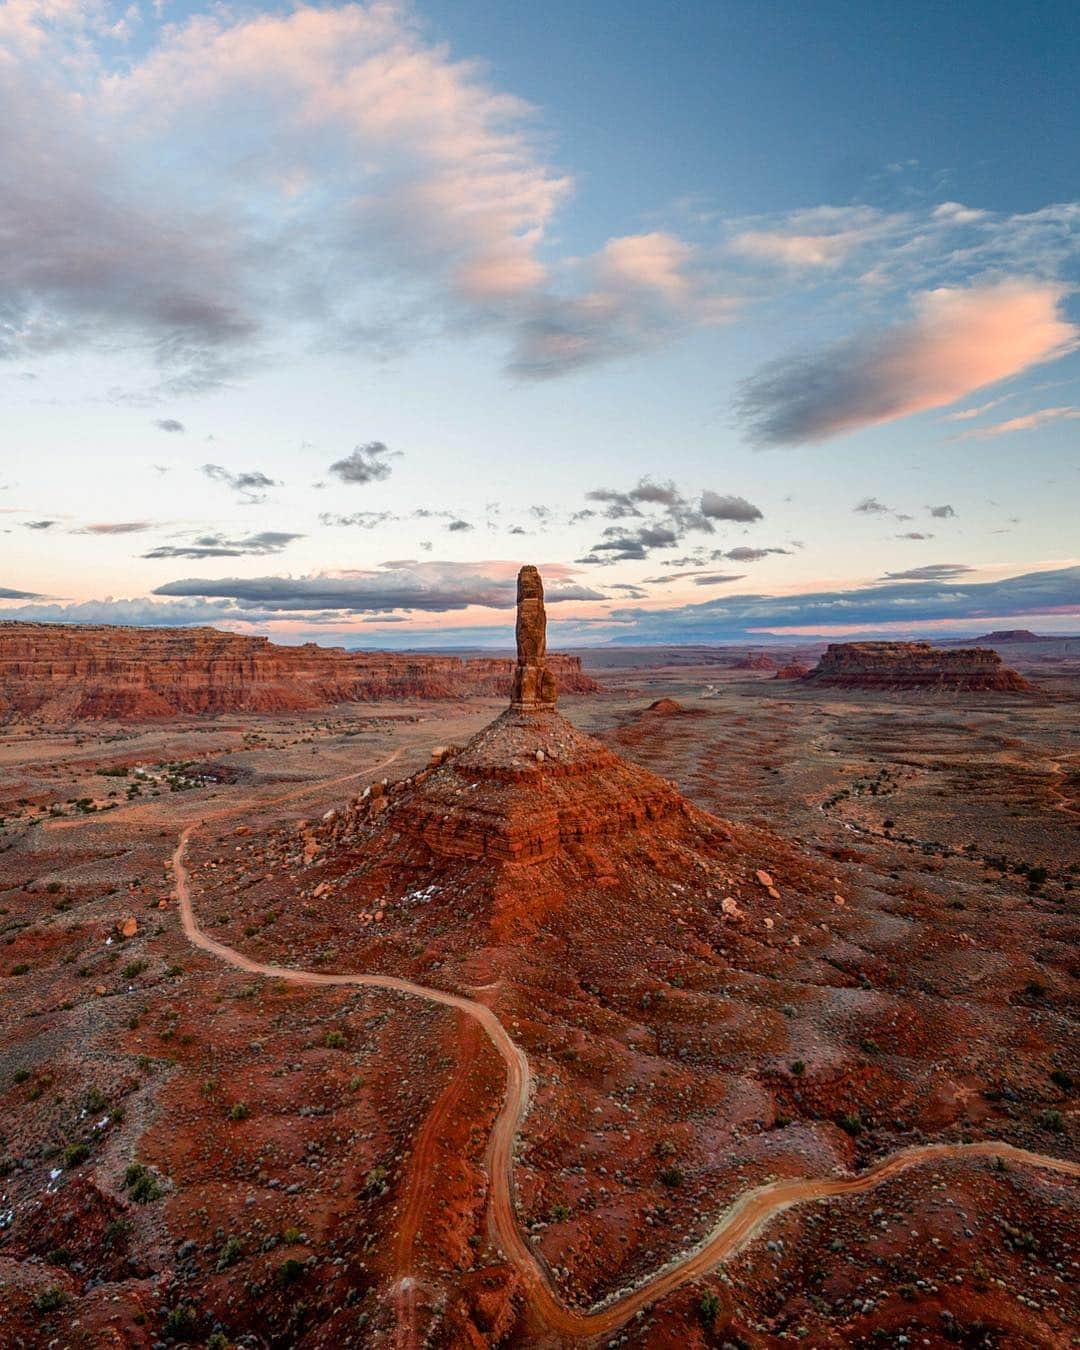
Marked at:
<point>741,321</point>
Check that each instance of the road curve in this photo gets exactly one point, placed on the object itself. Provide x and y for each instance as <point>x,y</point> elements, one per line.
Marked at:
<point>738,1225</point>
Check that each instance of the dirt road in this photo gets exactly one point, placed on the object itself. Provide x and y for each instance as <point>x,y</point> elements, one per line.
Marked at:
<point>741,1222</point>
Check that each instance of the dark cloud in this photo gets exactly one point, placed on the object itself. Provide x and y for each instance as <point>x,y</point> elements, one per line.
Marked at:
<point>634,545</point>
<point>717,507</point>
<point>169,424</point>
<point>116,527</point>
<point>217,546</point>
<point>913,603</point>
<point>945,512</point>
<point>41,524</point>
<point>915,534</point>
<point>365,463</point>
<point>931,572</point>
<point>669,515</point>
<point>460,526</point>
<point>6,593</point>
<point>749,554</point>
<point>252,484</point>
<point>424,587</point>
<point>870,506</point>
<point>698,578</point>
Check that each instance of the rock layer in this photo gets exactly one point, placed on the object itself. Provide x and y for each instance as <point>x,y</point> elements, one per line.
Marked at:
<point>913,665</point>
<point>58,672</point>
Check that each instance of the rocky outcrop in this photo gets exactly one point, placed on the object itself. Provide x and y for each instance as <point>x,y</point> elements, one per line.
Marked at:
<point>794,670</point>
<point>1009,635</point>
<point>60,672</point>
<point>755,661</point>
<point>534,683</point>
<point>528,788</point>
<point>913,665</point>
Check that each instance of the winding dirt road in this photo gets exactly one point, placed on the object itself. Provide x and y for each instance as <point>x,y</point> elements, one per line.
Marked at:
<point>737,1226</point>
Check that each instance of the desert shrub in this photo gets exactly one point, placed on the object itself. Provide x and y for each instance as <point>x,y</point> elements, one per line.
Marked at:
<point>142,1185</point>
<point>239,1111</point>
<point>21,969</point>
<point>132,969</point>
<point>95,1099</point>
<point>290,1270</point>
<point>671,1176</point>
<point>231,1251</point>
<point>335,1040</point>
<point>1061,1079</point>
<point>709,1307</point>
<point>180,1322</point>
<point>1052,1120</point>
<point>75,1154</point>
<point>851,1123</point>
<point>49,1299</point>
<point>375,1182</point>
<point>798,1068</point>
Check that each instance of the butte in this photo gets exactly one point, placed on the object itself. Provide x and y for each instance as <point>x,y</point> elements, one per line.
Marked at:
<point>536,829</point>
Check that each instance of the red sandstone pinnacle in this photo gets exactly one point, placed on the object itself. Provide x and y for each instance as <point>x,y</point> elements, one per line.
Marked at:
<point>534,685</point>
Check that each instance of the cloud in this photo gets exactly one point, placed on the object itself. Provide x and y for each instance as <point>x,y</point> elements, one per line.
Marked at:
<point>870,506</point>
<point>931,572</point>
<point>1028,422</point>
<point>365,464</point>
<point>217,546</point>
<point>460,527</point>
<point>361,520</point>
<point>958,340</point>
<point>945,512</point>
<point>169,424</point>
<point>116,527</point>
<point>914,534</point>
<point>914,603</point>
<point>966,414</point>
<point>252,484</point>
<point>426,587</point>
<point>635,293</point>
<point>40,524</point>
<point>817,239</point>
<point>6,593</point>
<point>744,554</point>
<point>717,507</point>
<point>670,516</point>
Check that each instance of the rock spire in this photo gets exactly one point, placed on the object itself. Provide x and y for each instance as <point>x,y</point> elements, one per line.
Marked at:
<point>534,685</point>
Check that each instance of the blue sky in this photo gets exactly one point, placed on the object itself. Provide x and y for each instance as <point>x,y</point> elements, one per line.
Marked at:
<point>739,320</point>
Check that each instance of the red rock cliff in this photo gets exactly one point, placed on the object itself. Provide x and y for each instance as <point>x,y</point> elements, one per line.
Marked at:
<point>912,665</point>
<point>59,672</point>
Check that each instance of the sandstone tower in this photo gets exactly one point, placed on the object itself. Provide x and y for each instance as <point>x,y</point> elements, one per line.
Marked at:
<point>534,685</point>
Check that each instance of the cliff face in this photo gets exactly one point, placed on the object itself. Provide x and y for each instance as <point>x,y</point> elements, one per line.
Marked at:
<point>912,665</point>
<point>59,672</point>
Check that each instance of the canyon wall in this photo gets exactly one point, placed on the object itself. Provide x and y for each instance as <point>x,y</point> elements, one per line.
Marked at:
<point>912,665</point>
<point>60,672</point>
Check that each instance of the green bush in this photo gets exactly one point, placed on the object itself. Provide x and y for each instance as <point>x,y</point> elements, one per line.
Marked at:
<point>239,1112</point>
<point>231,1252</point>
<point>290,1270</point>
<point>709,1307</point>
<point>50,1298</point>
<point>142,1185</point>
<point>335,1040</point>
<point>75,1154</point>
<point>180,1323</point>
<point>851,1123</point>
<point>671,1176</point>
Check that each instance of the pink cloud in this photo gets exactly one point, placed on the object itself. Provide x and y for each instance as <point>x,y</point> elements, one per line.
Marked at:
<point>959,339</point>
<point>1027,422</point>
